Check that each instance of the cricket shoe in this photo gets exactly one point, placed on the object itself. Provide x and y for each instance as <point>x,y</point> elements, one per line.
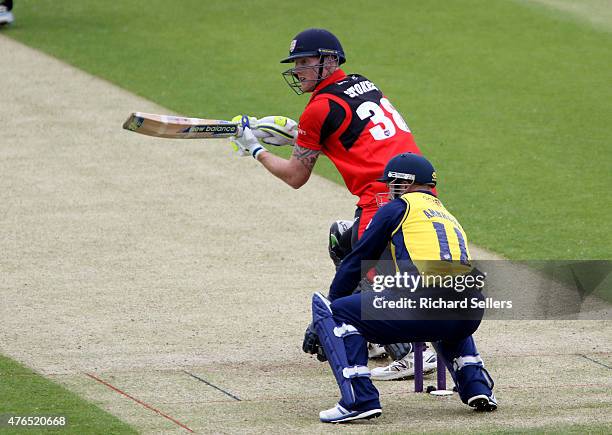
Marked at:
<point>483,403</point>
<point>338,414</point>
<point>404,368</point>
<point>376,351</point>
<point>6,16</point>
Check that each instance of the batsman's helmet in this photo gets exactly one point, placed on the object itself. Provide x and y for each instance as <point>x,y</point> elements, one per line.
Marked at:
<point>410,167</point>
<point>315,42</point>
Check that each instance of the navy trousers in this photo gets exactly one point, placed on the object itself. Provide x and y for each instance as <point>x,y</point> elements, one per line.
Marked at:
<point>451,335</point>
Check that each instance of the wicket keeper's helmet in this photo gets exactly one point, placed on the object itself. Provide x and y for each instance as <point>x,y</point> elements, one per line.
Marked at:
<point>410,167</point>
<point>315,42</point>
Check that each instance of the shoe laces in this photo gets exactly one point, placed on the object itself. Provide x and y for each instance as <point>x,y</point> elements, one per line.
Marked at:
<point>401,364</point>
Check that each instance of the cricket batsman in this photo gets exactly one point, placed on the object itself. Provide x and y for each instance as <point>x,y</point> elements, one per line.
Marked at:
<point>354,124</point>
<point>424,238</point>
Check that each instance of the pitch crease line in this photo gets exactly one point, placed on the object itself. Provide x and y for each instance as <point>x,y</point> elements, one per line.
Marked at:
<point>214,386</point>
<point>140,402</point>
<point>596,362</point>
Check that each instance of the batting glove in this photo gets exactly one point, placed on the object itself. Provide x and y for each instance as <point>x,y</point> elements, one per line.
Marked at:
<point>271,130</point>
<point>279,130</point>
<point>245,121</point>
<point>247,144</point>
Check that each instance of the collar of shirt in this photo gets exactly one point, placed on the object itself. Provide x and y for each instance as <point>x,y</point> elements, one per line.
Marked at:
<point>335,77</point>
<point>429,192</point>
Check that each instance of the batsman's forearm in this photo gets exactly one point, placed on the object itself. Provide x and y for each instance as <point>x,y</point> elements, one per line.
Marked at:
<point>290,171</point>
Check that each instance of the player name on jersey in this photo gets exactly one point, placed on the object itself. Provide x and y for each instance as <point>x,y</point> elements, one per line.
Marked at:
<point>360,88</point>
<point>430,213</point>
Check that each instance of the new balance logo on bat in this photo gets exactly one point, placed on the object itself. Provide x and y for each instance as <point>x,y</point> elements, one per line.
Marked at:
<point>215,129</point>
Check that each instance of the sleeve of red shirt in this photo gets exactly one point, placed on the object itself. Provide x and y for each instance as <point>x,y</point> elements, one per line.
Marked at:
<point>311,123</point>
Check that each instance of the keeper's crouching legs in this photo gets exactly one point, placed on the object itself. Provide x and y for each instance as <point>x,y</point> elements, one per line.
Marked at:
<point>347,353</point>
<point>467,369</point>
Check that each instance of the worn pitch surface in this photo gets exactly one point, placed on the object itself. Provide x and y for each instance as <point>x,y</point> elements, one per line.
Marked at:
<point>146,263</point>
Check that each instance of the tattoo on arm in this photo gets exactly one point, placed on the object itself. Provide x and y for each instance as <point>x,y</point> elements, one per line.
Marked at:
<point>306,156</point>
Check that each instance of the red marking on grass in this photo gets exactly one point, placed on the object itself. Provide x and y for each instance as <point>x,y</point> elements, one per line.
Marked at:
<point>140,402</point>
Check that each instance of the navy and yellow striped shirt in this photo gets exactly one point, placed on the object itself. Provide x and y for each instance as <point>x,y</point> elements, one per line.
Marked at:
<point>422,235</point>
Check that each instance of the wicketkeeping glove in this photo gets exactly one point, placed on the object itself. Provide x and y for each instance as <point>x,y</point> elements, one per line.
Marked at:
<point>247,144</point>
<point>312,345</point>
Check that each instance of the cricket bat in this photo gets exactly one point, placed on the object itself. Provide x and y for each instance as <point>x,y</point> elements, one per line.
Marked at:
<point>178,127</point>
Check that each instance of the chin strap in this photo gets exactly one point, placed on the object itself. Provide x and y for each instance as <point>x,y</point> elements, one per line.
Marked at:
<point>321,64</point>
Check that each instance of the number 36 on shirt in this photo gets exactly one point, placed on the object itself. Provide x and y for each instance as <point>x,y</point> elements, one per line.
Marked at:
<point>385,127</point>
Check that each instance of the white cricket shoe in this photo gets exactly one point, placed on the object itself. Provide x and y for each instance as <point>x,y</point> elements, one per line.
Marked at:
<point>404,368</point>
<point>6,16</point>
<point>338,414</point>
<point>483,403</point>
<point>376,351</point>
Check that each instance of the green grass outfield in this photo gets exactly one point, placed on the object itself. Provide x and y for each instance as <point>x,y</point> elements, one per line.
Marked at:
<point>25,393</point>
<point>511,101</point>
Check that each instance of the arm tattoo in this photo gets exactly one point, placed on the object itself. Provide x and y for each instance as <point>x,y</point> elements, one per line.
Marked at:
<point>306,156</point>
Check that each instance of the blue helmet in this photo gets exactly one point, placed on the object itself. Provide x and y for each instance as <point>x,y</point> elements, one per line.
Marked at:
<point>410,167</point>
<point>315,42</point>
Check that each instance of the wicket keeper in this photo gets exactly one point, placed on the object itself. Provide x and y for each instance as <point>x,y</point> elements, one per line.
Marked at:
<point>423,236</point>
